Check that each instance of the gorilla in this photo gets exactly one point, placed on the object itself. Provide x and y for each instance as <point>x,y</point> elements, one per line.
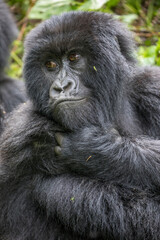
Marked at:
<point>81,159</point>
<point>11,91</point>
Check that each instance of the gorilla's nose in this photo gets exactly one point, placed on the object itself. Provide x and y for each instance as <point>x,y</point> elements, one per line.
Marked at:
<point>64,87</point>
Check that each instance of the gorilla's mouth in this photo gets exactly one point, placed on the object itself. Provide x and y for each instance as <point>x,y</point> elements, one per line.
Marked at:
<point>68,100</point>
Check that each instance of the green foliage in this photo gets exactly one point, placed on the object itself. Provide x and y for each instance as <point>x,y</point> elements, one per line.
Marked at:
<point>44,9</point>
<point>128,19</point>
<point>149,55</point>
<point>92,5</point>
<point>157,60</point>
<point>15,62</point>
<point>20,6</point>
<point>111,3</point>
<point>146,10</point>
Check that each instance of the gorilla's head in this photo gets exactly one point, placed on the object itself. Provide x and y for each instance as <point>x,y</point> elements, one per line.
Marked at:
<point>75,67</point>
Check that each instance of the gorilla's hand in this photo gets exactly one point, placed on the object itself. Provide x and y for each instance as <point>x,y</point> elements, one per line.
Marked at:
<point>62,141</point>
<point>103,153</point>
<point>82,140</point>
<point>84,151</point>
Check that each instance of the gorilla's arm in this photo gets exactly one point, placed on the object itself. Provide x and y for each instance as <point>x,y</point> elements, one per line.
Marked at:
<point>145,98</point>
<point>84,207</point>
<point>103,153</point>
<point>27,141</point>
<point>93,208</point>
<point>12,93</point>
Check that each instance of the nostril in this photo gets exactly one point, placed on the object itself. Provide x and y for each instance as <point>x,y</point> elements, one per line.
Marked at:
<point>57,87</point>
<point>68,86</point>
<point>55,90</point>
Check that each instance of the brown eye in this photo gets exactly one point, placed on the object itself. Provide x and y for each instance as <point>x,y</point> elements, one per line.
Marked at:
<point>74,57</point>
<point>50,65</point>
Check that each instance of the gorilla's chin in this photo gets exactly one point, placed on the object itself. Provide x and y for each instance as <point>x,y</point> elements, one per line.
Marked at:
<point>64,103</point>
<point>73,114</point>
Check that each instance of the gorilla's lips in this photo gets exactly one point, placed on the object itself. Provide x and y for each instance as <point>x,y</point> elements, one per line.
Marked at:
<point>68,100</point>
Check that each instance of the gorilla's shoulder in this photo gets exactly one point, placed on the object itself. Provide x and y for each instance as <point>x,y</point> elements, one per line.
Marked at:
<point>25,119</point>
<point>147,79</point>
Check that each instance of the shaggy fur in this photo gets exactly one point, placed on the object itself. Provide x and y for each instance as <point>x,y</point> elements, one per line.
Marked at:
<point>104,183</point>
<point>11,91</point>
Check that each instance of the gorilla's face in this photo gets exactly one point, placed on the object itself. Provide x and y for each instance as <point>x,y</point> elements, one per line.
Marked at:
<point>71,68</point>
<point>68,96</point>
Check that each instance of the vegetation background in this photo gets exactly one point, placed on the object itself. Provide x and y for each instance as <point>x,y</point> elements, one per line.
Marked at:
<point>141,16</point>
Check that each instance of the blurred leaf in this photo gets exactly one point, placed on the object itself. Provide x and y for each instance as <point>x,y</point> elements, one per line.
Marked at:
<point>158,53</point>
<point>150,11</point>
<point>44,9</point>
<point>92,5</point>
<point>112,3</point>
<point>134,6</point>
<point>129,18</point>
<point>147,55</point>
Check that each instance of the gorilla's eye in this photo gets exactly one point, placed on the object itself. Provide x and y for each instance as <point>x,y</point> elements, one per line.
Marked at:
<point>51,65</point>
<point>74,57</point>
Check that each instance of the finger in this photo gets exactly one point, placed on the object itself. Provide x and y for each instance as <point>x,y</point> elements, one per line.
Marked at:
<point>59,138</point>
<point>58,150</point>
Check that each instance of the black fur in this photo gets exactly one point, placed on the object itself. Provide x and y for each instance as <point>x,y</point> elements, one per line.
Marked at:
<point>11,91</point>
<point>104,181</point>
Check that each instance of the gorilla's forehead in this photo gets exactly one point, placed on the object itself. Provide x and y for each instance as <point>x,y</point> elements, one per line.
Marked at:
<point>73,21</point>
<point>69,30</point>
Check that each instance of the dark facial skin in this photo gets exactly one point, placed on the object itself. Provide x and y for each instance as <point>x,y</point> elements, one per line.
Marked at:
<point>66,88</point>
